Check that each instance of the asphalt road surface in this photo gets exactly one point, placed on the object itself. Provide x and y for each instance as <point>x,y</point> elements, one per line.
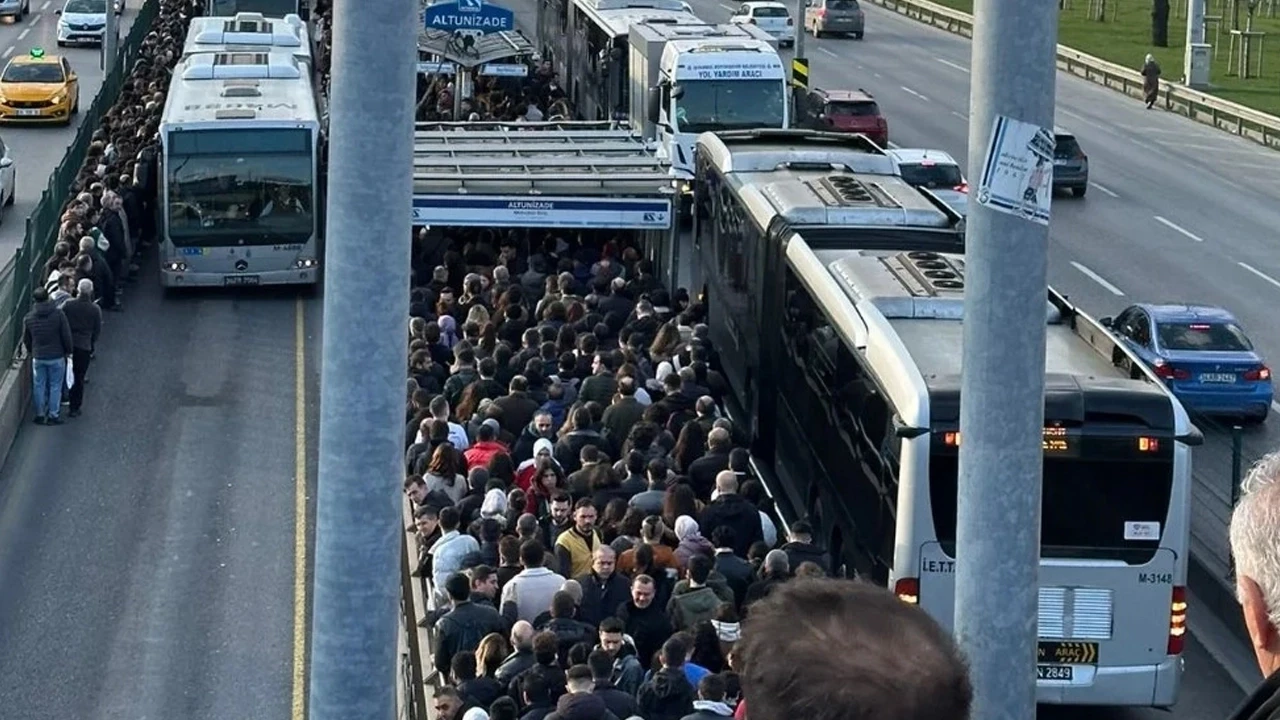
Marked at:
<point>148,548</point>
<point>37,150</point>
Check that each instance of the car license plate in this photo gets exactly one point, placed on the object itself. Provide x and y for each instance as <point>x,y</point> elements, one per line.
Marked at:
<point>28,113</point>
<point>1067,652</point>
<point>1217,377</point>
<point>1054,672</point>
<point>241,280</point>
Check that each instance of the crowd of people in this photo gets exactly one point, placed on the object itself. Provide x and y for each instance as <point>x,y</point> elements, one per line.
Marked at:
<point>106,223</point>
<point>592,536</point>
<point>535,98</point>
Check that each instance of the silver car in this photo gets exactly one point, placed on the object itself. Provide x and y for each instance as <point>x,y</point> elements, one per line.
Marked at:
<point>935,171</point>
<point>835,16</point>
<point>16,9</point>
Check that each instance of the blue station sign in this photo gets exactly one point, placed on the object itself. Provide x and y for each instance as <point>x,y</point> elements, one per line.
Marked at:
<point>474,15</point>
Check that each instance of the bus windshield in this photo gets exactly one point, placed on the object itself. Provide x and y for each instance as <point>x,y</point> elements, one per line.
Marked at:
<point>268,8</point>
<point>711,105</point>
<point>235,187</point>
<point>1088,508</point>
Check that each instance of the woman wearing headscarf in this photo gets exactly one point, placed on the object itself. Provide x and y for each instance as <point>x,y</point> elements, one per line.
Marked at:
<point>448,331</point>
<point>1150,80</point>
<point>691,541</point>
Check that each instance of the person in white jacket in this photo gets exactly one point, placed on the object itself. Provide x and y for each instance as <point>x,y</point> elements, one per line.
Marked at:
<point>529,593</point>
<point>449,552</point>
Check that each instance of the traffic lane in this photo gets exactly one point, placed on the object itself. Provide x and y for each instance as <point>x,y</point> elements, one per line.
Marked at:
<point>148,547</point>
<point>37,150</point>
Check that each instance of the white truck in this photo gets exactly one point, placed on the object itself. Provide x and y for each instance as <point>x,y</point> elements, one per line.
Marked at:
<point>691,79</point>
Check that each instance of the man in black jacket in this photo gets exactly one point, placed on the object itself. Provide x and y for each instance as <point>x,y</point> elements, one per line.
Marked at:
<point>85,320</point>
<point>732,510</point>
<point>668,695</point>
<point>47,336</point>
<point>603,590</point>
<point>522,658</point>
<point>801,548</point>
<point>737,572</point>
<point>619,703</point>
<point>703,471</point>
<point>465,625</point>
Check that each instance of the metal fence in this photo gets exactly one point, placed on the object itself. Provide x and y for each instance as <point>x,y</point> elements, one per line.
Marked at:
<point>18,276</point>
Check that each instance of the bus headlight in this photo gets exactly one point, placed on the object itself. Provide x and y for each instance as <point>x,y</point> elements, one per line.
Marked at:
<point>306,263</point>
<point>175,266</point>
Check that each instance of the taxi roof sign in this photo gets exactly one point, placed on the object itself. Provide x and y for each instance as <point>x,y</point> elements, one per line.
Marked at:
<point>37,52</point>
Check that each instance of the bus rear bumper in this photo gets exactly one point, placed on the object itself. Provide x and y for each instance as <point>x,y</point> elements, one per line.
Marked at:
<point>1128,686</point>
<point>176,279</point>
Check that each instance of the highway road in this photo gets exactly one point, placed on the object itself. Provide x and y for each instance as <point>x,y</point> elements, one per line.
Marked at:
<point>148,548</point>
<point>36,151</point>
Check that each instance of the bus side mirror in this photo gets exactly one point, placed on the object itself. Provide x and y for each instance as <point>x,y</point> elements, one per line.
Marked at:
<point>653,104</point>
<point>905,432</point>
<point>1193,438</point>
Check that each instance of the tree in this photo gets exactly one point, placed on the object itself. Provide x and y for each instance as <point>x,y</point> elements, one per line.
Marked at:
<point>1160,23</point>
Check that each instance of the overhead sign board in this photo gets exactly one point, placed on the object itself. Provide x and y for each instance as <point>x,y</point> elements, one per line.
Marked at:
<point>471,15</point>
<point>491,69</point>
<point>542,212</point>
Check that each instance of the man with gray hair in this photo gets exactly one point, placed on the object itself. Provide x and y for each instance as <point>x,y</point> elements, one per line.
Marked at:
<point>85,318</point>
<point>1255,544</point>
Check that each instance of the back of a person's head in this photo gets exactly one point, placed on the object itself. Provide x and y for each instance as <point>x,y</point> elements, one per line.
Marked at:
<point>546,647</point>
<point>852,630</point>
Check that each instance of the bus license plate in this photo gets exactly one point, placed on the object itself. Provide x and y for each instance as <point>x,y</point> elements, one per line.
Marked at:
<point>1054,672</point>
<point>1217,377</point>
<point>241,280</point>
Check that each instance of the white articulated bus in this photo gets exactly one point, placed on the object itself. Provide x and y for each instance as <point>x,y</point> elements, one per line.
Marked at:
<point>241,177</point>
<point>249,32</point>
<point>270,8</point>
<point>852,385</point>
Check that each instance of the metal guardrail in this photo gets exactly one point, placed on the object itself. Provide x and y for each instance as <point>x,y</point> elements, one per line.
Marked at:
<point>1222,114</point>
<point>416,670</point>
<point>19,274</point>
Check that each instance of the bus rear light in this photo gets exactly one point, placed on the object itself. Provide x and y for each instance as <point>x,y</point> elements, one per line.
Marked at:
<point>1177,620</point>
<point>306,263</point>
<point>1148,444</point>
<point>908,590</point>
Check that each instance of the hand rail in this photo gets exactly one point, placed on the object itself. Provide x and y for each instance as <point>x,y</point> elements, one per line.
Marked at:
<point>1224,115</point>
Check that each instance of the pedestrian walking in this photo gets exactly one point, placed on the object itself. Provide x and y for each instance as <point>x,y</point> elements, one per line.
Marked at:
<point>1150,80</point>
<point>85,319</point>
<point>47,336</point>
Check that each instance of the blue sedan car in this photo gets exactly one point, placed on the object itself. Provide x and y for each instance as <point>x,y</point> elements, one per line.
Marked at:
<point>1203,356</point>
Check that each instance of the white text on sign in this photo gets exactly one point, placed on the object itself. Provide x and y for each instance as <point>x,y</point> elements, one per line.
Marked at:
<point>729,74</point>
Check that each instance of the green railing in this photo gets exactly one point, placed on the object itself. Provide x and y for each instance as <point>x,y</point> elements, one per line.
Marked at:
<point>18,276</point>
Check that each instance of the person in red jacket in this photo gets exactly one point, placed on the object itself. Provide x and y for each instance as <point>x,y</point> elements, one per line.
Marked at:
<point>486,445</point>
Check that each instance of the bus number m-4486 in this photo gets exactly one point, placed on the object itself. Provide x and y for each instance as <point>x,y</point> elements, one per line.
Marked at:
<point>1155,578</point>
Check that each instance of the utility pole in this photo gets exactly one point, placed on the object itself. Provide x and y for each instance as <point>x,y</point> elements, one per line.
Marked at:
<point>366,297</point>
<point>1196,57</point>
<point>110,39</point>
<point>801,5</point>
<point>798,91</point>
<point>1001,422</point>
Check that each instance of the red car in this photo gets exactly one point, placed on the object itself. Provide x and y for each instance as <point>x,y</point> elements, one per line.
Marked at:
<point>851,111</point>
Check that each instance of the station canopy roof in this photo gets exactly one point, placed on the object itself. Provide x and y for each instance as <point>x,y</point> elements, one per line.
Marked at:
<point>468,51</point>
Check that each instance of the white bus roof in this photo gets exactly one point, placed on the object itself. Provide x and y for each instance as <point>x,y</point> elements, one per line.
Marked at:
<point>215,88</point>
<point>618,22</point>
<point>248,32</point>
<point>551,158</point>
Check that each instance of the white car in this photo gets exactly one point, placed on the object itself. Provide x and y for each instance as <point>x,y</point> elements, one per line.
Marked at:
<point>937,172</point>
<point>82,21</point>
<point>771,17</point>
<point>8,178</point>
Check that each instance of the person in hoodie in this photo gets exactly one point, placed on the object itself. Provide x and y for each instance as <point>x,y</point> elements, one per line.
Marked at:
<point>801,549</point>
<point>581,702</point>
<point>693,600</point>
<point>710,704</point>
<point>47,337</point>
<point>539,449</point>
<point>627,674</point>
<point>691,541</point>
<point>569,631</point>
<point>668,695</point>
<point>486,445</point>
<point>535,441</point>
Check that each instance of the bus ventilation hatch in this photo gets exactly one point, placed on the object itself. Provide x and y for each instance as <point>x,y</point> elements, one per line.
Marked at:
<point>848,190</point>
<point>941,275</point>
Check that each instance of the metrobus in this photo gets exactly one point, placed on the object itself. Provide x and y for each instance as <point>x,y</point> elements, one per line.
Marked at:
<point>242,184</point>
<point>594,53</point>
<point>249,32</point>
<point>853,395</point>
<point>270,8</point>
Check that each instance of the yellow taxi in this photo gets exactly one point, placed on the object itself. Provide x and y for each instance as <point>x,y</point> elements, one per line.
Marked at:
<point>38,88</point>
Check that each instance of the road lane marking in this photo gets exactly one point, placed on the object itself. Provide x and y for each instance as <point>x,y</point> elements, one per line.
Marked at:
<point>8,51</point>
<point>300,514</point>
<point>909,91</point>
<point>952,65</point>
<point>1098,279</point>
<point>828,52</point>
<point>1104,190</point>
<point>1175,226</point>
<point>1259,273</point>
<point>730,8</point>
<point>46,4</point>
<point>1275,406</point>
<point>874,74</point>
<point>25,32</point>
<point>960,115</point>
